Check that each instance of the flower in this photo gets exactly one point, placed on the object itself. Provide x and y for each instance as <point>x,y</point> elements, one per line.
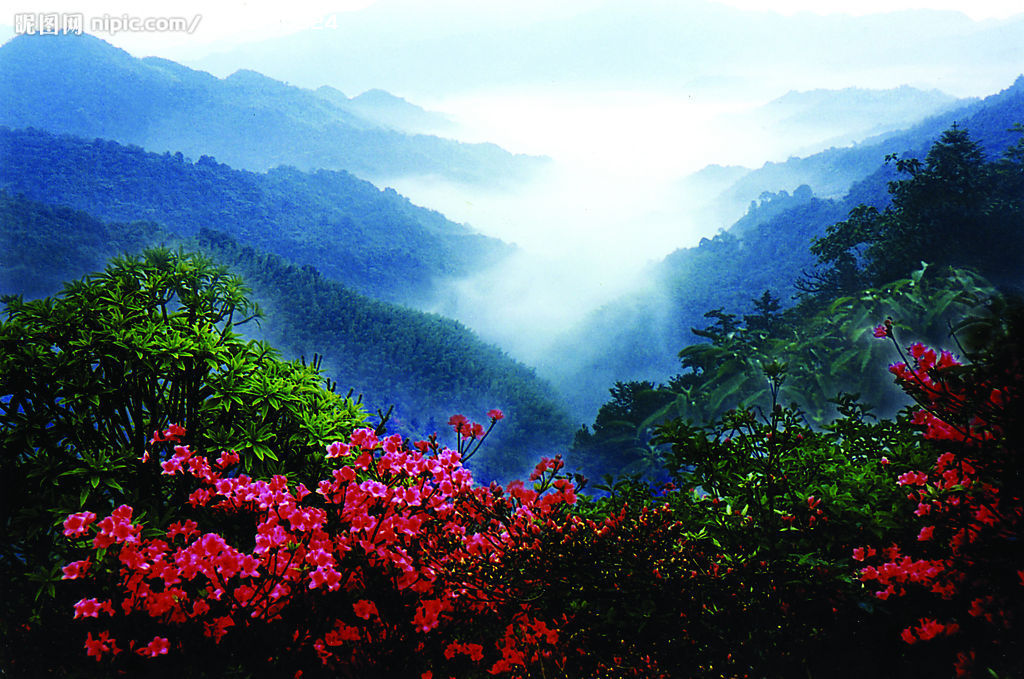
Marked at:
<point>101,645</point>
<point>75,569</point>
<point>78,524</point>
<point>365,609</point>
<point>158,646</point>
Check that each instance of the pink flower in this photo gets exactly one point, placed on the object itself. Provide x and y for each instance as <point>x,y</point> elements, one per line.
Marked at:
<point>495,414</point>
<point>337,449</point>
<point>75,569</point>
<point>926,533</point>
<point>158,646</point>
<point>88,608</point>
<point>912,479</point>
<point>78,524</point>
<point>227,459</point>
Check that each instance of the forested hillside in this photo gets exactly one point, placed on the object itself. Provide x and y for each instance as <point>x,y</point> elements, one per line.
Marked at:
<point>83,86</point>
<point>426,366</point>
<point>373,241</point>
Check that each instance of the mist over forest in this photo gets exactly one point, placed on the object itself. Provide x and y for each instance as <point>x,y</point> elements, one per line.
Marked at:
<point>653,256</point>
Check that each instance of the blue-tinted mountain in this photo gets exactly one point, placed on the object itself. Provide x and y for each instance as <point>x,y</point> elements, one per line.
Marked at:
<point>373,241</point>
<point>83,86</point>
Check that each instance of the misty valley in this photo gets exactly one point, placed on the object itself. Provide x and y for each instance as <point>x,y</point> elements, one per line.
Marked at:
<point>297,384</point>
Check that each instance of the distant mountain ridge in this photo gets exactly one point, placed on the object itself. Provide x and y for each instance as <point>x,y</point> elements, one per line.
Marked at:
<point>374,241</point>
<point>683,45</point>
<point>832,173</point>
<point>83,86</point>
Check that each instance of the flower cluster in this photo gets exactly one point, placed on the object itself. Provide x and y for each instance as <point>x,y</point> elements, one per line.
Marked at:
<point>390,547</point>
<point>972,513</point>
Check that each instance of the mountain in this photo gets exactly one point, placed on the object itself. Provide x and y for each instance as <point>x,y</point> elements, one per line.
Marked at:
<point>631,44</point>
<point>767,249</point>
<point>394,112</point>
<point>807,122</point>
<point>427,366</point>
<point>376,242</point>
<point>83,86</point>
<point>833,172</point>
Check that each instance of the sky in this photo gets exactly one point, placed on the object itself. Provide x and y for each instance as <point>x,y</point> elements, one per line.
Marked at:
<point>239,21</point>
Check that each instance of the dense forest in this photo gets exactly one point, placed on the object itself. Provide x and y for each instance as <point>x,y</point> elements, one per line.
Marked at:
<point>421,366</point>
<point>374,241</point>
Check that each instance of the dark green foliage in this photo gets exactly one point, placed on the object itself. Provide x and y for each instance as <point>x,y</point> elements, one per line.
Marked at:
<point>953,208</point>
<point>620,441</point>
<point>374,241</point>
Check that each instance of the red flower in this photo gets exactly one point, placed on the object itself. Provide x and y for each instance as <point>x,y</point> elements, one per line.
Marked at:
<point>100,646</point>
<point>365,609</point>
<point>75,569</point>
<point>158,646</point>
<point>78,524</point>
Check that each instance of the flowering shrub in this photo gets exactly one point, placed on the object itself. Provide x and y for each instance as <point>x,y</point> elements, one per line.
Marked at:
<point>396,564</point>
<point>365,572</point>
<point>961,578</point>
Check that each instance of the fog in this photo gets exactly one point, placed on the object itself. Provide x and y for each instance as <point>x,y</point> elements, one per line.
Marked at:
<point>587,226</point>
<point>623,189</point>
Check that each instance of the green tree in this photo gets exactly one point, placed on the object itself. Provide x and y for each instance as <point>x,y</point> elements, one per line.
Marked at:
<point>952,209</point>
<point>88,376</point>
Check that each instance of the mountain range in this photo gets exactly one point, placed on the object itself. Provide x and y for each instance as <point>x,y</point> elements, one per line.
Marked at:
<point>688,46</point>
<point>374,241</point>
<point>81,85</point>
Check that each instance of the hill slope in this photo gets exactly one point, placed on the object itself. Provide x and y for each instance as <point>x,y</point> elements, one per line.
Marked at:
<point>765,250</point>
<point>427,366</point>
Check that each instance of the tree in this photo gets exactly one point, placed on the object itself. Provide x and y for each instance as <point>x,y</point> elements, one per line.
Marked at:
<point>953,209</point>
<point>88,376</point>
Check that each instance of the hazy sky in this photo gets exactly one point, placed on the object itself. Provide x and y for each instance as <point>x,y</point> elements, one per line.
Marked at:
<point>245,20</point>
